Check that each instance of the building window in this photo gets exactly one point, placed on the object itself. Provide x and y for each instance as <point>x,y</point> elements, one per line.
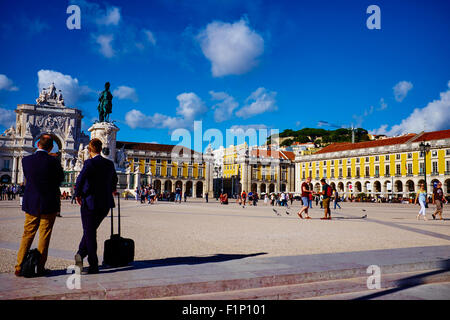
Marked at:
<point>136,160</point>
<point>6,164</point>
<point>397,156</point>
<point>367,171</point>
<point>200,172</point>
<point>324,163</point>
<point>190,172</point>
<point>340,161</point>
<point>398,169</point>
<point>410,155</point>
<point>147,160</point>
<point>377,171</point>
<point>357,160</point>
<point>324,173</point>
<point>421,168</point>
<point>169,161</point>
<point>447,165</point>
<point>410,168</point>
<point>447,152</point>
<point>332,162</point>
<point>179,172</point>
<point>340,172</point>
<point>435,167</point>
<point>387,170</point>
<point>367,159</point>
<point>158,170</point>
<point>304,175</point>
<point>386,157</point>
<point>158,160</point>
<point>349,172</point>
<point>377,158</point>
<point>357,172</point>
<point>317,173</point>
<point>332,173</point>
<point>434,153</point>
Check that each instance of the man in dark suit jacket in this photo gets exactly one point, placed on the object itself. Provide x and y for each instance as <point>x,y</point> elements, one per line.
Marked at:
<point>41,201</point>
<point>95,187</point>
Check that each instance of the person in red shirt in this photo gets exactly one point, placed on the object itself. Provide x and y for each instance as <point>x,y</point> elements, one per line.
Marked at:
<point>243,197</point>
<point>306,194</point>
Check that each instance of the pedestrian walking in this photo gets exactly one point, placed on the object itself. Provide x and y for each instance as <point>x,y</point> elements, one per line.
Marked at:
<point>421,197</point>
<point>206,197</point>
<point>243,198</point>
<point>336,198</point>
<point>326,194</point>
<point>306,193</point>
<point>438,200</point>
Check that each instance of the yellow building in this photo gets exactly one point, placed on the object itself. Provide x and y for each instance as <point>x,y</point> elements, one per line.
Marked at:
<point>165,169</point>
<point>385,167</point>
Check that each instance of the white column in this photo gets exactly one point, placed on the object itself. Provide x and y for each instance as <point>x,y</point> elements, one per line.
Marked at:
<point>14,170</point>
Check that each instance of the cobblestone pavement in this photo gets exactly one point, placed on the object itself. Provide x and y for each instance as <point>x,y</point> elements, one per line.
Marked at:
<point>195,228</point>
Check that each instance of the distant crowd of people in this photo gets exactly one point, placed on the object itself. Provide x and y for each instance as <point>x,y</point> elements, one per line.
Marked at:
<point>11,192</point>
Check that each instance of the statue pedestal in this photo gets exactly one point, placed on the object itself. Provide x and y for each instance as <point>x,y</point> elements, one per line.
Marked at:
<point>106,132</point>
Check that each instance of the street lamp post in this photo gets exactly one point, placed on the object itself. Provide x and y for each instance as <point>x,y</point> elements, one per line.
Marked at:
<point>425,148</point>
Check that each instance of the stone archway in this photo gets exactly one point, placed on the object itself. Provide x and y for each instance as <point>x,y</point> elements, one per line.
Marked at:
<point>271,188</point>
<point>446,186</point>
<point>168,186</point>
<point>189,187</point>
<point>410,186</point>
<point>317,187</point>
<point>199,189</point>
<point>358,187</point>
<point>377,187</point>
<point>341,186</point>
<point>157,186</point>
<point>398,186</point>
<point>263,187</point>
<point>254,188</point>
<point>179,184</point>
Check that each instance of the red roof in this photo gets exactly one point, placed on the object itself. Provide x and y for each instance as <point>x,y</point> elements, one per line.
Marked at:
<point>288,155</point>
<point>434,135</point>
<point>344,146</point>
<point>411,137</point>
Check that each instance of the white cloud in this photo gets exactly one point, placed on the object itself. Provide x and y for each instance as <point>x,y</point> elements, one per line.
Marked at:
<point>71,90</point>
<point>401,89</point>
<point>105,40</point>
<point>224,109</point>
<point>110,17</point>
<point>190,107</point>
<point>7,84</point>
<point>150,36</point>
<point>124,92</point>
<point>231,48</point>
<point>245,127</point>
<point>435,116</point>
<point>383,105</point>
<point>7,118</point>
<point>263,101</point>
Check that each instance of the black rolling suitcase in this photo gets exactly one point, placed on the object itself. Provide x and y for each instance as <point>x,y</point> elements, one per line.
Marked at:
<point>118,251</point>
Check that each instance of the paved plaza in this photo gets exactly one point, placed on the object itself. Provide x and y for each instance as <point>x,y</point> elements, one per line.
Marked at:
<point>208,240</point>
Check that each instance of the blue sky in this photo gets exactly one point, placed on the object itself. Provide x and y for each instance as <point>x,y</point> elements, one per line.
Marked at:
<point>274,64</point>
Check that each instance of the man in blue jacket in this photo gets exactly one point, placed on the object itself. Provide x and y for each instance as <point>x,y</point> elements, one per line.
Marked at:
<point>95,188</point>
<point>41,200</point>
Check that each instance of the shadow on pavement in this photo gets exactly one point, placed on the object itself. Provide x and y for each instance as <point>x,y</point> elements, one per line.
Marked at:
<point>409,282</point>
<point>190,260</point>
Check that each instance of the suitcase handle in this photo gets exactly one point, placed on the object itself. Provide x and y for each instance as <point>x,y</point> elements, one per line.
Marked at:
<point>118,215</point>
